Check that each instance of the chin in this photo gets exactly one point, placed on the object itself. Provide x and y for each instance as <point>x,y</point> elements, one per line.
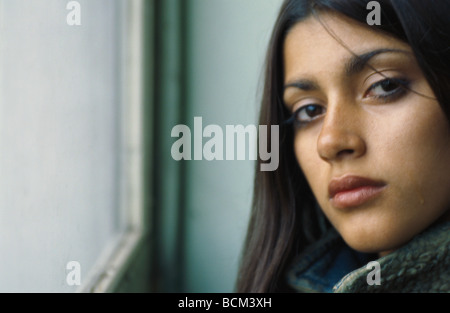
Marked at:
<point>369,247</point>
<point>372,241</point>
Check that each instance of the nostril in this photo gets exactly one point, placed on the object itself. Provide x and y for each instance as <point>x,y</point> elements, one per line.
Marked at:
<point>345,152</point>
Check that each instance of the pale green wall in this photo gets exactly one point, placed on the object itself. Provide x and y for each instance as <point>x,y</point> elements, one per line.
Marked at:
<point>227,40</point>
<point>208,63</point>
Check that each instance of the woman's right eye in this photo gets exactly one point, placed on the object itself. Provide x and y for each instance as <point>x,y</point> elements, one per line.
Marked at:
<point>308,113</point>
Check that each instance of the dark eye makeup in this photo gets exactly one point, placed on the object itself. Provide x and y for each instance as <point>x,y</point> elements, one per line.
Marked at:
<point>385,90</point>
<point>388,89</point>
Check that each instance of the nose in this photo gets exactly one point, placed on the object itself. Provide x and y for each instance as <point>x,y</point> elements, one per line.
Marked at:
<point>340,136</point>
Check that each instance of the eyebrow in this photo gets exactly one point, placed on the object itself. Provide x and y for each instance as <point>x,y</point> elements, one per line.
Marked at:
<point>355,64</point>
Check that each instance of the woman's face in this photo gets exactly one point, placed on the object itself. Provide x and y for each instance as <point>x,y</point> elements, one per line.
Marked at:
<point>376,155</point>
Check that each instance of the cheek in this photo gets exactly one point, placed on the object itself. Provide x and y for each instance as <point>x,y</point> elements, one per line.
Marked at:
<point>414,151</point>
<point>430,160</point>
<point>418,142</point>
<point>305,152</point>
<point>312,166</point>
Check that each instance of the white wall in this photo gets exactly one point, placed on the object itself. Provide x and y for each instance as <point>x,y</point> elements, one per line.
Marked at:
<point>59,140</point>
<point>60,114</point>
<point>227,46</point>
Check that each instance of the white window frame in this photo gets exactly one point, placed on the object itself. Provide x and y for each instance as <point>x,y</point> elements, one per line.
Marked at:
<point>114,260</point>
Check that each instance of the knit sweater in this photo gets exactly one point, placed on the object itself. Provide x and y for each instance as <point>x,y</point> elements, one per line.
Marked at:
<point>329,265</point>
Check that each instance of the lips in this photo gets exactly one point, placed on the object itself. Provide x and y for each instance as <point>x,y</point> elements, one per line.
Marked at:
<point>353,191</point>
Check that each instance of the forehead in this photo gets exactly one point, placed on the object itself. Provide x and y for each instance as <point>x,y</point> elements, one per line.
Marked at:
<point>314,46</point>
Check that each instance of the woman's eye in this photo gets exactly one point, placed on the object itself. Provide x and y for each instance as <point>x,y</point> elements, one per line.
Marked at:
<point>387,88</point>
<point>308,113</point>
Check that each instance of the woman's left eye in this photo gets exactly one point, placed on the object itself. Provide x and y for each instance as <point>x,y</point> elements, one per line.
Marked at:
<point>387,88</point>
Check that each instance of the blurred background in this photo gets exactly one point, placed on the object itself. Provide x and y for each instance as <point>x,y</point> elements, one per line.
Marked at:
<point>91,199</point>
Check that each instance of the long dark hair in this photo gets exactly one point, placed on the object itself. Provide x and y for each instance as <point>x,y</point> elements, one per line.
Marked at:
<point>284,217</point>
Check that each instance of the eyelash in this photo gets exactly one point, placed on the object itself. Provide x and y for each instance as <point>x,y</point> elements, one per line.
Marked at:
<point>402,86</point>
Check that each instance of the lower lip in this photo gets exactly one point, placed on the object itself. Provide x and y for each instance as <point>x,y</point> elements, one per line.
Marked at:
<point>356,197</point>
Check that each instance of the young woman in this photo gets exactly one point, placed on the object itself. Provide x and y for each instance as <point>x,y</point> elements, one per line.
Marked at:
<point>364,171</point>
